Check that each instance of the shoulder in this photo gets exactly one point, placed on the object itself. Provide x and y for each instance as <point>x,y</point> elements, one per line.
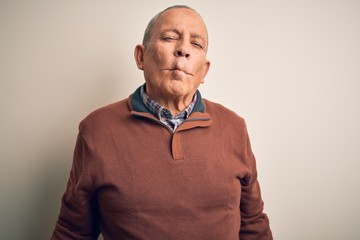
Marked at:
<point>105,117</point>
<point>228,125</point>
<point>221,113</point>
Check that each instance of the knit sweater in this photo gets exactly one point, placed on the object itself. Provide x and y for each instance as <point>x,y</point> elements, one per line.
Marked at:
<point>133,178</point>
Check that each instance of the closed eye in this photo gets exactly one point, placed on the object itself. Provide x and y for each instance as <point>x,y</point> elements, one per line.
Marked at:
<point>170,38</point>
<point>197,44</point>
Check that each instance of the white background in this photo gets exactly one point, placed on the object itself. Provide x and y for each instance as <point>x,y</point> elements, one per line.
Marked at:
<point>290,68</point>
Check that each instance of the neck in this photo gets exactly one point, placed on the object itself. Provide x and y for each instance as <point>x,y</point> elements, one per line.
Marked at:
<point>175,104</point>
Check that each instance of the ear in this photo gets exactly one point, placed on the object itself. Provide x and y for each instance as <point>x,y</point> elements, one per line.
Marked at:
<point>206,69</point>
<point>139,56</point>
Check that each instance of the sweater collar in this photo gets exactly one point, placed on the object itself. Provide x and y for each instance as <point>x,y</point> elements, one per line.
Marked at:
<point>138,105</point>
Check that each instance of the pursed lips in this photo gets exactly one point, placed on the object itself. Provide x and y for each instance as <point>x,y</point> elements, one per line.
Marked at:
<point>178,67</point>
<point>179,70</point>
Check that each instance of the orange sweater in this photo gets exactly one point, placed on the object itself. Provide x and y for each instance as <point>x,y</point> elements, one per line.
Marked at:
<point>132,178</point>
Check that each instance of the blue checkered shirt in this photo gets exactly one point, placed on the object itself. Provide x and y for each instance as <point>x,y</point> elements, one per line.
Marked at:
<point>163,114</point>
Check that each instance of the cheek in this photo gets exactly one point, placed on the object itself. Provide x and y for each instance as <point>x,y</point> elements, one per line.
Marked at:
<point>158,57</point>
<point>201,69</point>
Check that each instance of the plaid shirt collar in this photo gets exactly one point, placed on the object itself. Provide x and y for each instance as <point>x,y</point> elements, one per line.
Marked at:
<point>163,114</point>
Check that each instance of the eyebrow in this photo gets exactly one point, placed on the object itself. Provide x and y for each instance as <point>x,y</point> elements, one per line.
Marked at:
<point>195,35</point>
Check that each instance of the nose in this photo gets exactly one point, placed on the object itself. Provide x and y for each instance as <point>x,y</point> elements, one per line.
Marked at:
<point>182,51</point>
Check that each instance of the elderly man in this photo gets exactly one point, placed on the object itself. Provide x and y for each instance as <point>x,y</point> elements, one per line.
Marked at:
<point>165,163</point>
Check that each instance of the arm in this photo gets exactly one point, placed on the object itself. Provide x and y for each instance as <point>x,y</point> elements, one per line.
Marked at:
<point>254,222</point>
<point>78,214</point>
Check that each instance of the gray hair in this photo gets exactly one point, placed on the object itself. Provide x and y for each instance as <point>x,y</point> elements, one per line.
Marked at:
<point>151,24</point>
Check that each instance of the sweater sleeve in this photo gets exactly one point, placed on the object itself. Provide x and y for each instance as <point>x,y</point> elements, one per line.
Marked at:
<point>78,214</point>
<point>254,222</point>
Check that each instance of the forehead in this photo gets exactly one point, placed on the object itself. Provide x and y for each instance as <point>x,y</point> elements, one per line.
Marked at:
<point>181,19</point>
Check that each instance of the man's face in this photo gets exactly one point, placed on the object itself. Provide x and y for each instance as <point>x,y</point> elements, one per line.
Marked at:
<point>174,61</point>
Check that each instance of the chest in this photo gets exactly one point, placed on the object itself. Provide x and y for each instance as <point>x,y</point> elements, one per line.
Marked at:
<point>145,177</point>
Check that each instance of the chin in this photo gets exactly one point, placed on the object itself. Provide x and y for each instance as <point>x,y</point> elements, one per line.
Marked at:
<point>178,89</point>
<point>178,93</point>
